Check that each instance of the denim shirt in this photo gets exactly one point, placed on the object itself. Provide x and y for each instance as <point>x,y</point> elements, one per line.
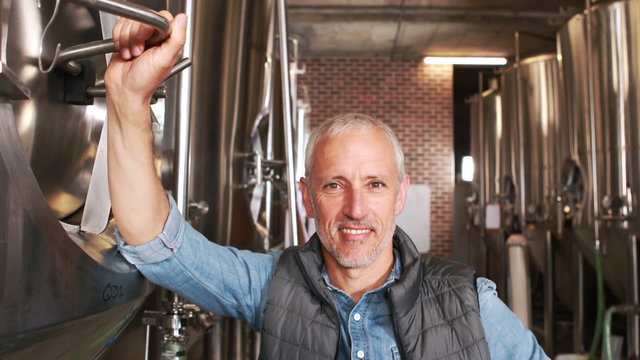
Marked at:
<point>367,327</point>
<point>235,283</point>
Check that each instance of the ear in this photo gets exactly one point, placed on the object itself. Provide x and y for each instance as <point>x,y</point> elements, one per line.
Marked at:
<point>402,195</point>
<point>306,197</point>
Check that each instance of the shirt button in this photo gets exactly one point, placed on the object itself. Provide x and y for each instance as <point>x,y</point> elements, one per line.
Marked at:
<point>360,354</point>
<point>357,317</point>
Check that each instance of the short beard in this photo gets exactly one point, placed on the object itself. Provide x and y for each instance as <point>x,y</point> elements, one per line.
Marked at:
<point>343,258</point>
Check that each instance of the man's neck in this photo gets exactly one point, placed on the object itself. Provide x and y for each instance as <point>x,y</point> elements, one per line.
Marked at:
<point>356,282</point>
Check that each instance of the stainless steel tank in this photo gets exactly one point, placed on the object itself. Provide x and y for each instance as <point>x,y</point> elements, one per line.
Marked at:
<point>609,152</point>
<point>540,112</point>
<point>64,293</point>
<point>615,100</point>
<point>491,145</point>
<point>237,188</point>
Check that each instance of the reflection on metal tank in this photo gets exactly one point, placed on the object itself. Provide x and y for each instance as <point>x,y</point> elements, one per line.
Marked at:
<point>64,293</point>
<point>59,138</point>
<point>235,114</point>
<point>541,112</point>
<point>237,188</point>
<point>617,130</point>
<point>575,132</point>
<point>491,142</point>
<point>611,154</point>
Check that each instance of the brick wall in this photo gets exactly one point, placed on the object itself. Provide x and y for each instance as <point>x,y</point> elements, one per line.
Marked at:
<point>415,100</point>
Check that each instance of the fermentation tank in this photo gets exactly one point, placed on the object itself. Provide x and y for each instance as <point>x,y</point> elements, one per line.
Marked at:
<point>602,87</point>
<point>223,146</point>
<point>615,115</point>
<point>65,293</point>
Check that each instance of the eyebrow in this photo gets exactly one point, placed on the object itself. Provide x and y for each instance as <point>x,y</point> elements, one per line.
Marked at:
<point>368,177</point>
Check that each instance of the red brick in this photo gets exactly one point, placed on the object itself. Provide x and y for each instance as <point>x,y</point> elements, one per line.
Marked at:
<point>415,100</point>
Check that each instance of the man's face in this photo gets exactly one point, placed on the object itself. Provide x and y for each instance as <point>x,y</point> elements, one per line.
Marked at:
<point>354,195</point>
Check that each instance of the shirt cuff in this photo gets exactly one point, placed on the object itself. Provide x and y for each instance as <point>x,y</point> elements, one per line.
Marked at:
<point>162,246</point>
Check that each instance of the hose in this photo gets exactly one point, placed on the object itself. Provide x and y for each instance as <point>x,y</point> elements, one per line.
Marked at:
<point>597,334</point>
<point>624,309</point>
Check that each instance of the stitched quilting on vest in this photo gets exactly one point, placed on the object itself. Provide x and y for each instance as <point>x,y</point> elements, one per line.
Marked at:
<point>447,325</point>
<point>434,305</point>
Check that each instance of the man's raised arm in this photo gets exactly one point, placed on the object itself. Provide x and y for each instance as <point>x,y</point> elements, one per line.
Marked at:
<point>138,200</point>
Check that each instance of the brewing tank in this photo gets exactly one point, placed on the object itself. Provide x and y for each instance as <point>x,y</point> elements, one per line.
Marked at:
<point>538,110</point>
<point>615,162</point>
<point>64,293</point>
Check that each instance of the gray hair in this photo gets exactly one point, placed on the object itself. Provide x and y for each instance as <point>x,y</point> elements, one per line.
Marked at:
<point>347,122</point>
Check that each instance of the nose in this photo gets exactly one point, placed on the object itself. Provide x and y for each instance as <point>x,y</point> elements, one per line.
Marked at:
<point>354,205</point>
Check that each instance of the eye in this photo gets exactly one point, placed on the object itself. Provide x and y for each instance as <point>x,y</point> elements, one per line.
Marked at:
<point>332,186</point>
<point>377,184</point>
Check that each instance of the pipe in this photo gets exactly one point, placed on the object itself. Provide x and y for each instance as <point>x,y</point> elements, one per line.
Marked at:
<point>549,304</point>
<point>116,7</point>
<point>268,201</point>
<point>578,311</point>
<point>520,121</point>
<point>181,165</point>
<point>621,309</point>
<point>592,125</point>
<point>633,297</point>
<point>482,161</point>
<point>597,335</point>
<point>287,110</point>
<point>594,178</point>
<point>131,11</point>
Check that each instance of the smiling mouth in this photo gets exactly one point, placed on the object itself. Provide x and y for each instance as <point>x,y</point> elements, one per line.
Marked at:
<point>355,231</point>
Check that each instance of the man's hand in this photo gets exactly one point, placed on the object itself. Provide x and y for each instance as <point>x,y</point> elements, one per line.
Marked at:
<point>136,71</point>
<point>139,203</point>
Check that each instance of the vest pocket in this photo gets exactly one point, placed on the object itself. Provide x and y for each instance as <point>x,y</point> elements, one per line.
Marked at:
<point>395,353</point>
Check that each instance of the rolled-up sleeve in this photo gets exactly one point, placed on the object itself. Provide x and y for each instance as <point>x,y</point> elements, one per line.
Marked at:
<point>160,248</point>
<point>507,337</point>
<point>221,279</point>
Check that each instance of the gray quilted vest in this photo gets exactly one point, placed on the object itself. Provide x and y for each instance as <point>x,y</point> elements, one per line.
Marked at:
<point>434,306</point>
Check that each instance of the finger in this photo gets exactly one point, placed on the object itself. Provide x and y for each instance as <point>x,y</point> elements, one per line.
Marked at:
<point>115,33</point>
<point>136,46</point>
<point>175,41</point>
<point>125,40</point>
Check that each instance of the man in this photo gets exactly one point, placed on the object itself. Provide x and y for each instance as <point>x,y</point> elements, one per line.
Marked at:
<point>358,289</point>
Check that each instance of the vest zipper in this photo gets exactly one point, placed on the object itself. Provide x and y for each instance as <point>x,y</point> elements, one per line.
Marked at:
<point>401,348</point>
<point>327,302</point>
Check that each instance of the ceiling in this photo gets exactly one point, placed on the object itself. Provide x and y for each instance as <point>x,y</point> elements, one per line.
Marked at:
<point>405,29</point>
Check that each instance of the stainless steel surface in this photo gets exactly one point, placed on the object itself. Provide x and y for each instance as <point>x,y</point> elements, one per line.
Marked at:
<point>491,140</point>
<point>592,125</point>
<point>633,297</point>
<point>615,109</point>
<point>66,293</point>
<point>100,92</point>
<point>600,48</point>
<point>131,11</point>
<point>576,131</point>
<point>182,114</point>
<point>579,304</point>
<point>59,139</point>
<point>540,109</point>
<point>517,115</point>
<point>549,295</point>
<point>288,121</point>
<point>100,47</point>
<point>10,86</point>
